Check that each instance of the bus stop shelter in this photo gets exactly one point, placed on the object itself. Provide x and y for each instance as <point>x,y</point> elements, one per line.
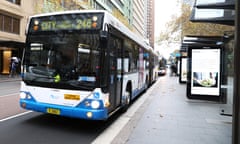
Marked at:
<point>225,12</point>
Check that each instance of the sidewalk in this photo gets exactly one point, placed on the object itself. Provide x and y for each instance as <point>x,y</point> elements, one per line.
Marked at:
<point>6,78</point>
<point>168,117</point>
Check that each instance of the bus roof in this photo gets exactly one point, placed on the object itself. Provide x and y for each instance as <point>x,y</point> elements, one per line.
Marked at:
<point>109,19</point>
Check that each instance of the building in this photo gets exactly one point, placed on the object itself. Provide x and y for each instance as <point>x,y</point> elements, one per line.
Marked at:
<point>122,9</point>
<point>150,20</point>
<point>13,19</point>
<point>139,17</point>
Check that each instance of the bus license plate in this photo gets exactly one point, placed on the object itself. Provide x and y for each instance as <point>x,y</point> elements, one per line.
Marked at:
<point>53,111</point>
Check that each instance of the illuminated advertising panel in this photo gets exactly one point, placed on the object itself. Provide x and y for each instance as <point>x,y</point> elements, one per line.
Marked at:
<point>204,72</point>
<point>183,70</point>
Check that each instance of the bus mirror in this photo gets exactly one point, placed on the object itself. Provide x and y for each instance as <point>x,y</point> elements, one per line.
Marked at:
<point>103,35</point>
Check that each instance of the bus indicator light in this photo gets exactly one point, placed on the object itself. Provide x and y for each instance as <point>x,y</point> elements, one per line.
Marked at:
<point>89,114</point>
<point>94,18</point>
<point>94,25</point>
<point>36,22</point>
<point>35,28</point>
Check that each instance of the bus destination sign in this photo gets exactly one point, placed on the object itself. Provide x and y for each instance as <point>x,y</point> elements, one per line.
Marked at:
<point>66,22</point>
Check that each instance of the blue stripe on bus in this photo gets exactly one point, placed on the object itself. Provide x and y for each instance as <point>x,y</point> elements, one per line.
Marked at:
<point>76,112</point>
<point>136,92</point>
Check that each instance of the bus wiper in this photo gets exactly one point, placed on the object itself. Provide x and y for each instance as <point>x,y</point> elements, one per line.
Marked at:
<point>81,84</point>
<point>43,79</point>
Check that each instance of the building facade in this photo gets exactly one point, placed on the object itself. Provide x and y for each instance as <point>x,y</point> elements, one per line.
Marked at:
<point>13,19</point>
<point>150,20</point>
<point>122,9</point>
<point>139,17</point>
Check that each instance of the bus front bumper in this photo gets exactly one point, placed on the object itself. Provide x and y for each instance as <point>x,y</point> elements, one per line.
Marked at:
<point>75,112</point>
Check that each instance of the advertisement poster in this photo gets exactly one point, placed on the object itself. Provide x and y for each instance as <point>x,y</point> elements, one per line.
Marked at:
<point>205,74</point>
<point>183,73</point>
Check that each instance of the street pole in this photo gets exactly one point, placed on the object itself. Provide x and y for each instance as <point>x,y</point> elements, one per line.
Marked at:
<point>236,93</point>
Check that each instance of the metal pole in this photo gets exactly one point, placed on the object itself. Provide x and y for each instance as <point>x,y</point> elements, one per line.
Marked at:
<point>236,91</point>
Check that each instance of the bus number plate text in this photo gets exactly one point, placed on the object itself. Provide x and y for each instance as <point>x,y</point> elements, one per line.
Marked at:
<point>53,111</point>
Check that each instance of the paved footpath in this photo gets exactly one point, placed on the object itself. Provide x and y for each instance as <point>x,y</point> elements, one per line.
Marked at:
<point>168,117</point>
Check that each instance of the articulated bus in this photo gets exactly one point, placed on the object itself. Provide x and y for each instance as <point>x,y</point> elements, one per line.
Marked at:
<point>83,64</point>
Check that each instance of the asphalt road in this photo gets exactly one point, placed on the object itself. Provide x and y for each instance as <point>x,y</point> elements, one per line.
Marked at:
<point>37,128</point>
<point>25,127</point>
<point>7,88</point>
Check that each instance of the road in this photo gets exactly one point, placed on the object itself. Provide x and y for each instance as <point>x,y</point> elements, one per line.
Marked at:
<point>21,126</point>
<point>9,97</point>
<point>36,128</point>
<point>9,88</point>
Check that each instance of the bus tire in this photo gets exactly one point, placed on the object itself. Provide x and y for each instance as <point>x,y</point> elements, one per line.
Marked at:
<point>147,85</point>
<point>127,100</point>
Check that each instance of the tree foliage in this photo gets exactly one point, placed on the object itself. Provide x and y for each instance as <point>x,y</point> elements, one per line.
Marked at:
<point>43,6</point>
<point>185,27</point>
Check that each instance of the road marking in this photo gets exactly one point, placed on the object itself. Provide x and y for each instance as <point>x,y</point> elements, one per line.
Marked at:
<point>12,94</point>
<point>14,116</point>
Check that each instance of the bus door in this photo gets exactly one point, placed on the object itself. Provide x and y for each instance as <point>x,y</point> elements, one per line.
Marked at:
<point>115,71</point>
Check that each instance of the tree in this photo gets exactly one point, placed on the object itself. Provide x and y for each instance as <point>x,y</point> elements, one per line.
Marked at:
<point>185,27</point>
<point>44,6</point>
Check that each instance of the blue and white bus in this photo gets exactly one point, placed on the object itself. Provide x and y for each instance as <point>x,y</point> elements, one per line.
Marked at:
<point>83,64</point>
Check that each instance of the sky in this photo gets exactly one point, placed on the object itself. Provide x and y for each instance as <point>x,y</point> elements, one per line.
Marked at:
<point>164,10</point>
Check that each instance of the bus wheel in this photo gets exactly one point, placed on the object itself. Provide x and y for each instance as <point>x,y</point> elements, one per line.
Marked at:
<point>126,101</point>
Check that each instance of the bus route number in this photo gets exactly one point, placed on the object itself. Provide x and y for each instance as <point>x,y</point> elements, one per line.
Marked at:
<point>66,24</point>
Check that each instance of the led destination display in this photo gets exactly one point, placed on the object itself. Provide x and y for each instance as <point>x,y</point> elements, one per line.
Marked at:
<point>81,21</point>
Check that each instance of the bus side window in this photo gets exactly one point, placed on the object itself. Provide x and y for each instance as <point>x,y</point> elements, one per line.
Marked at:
<point>126,67</point>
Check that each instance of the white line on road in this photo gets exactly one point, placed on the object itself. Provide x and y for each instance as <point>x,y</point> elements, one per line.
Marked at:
<point>12,94</point>
<point>14,116</point>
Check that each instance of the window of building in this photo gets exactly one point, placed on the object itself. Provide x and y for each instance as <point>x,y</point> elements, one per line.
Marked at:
<point>18,2</point>
<point>9,24</point>
<point>15,26</point>
<point>1,22</point>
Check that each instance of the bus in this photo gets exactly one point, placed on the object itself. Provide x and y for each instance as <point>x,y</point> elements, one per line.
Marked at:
<point>154,66</point>
<point>83,64</point>
<point>162,67</point>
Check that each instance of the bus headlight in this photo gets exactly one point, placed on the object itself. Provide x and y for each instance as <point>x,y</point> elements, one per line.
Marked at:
<point>23,95</point>
<point>95,104</point>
